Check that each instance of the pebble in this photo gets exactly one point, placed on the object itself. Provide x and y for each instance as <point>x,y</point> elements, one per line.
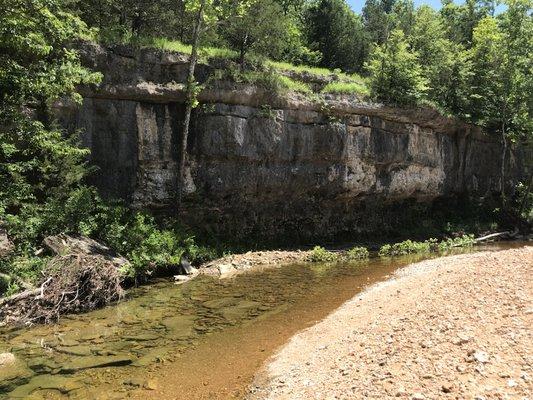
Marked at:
<point>481,356</point>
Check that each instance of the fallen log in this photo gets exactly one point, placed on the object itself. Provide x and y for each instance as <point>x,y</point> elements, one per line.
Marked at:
<point>496,235</point>
<point>19,296</point>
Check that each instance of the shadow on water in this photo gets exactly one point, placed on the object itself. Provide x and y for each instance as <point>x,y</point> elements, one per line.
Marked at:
<point>203,339</point>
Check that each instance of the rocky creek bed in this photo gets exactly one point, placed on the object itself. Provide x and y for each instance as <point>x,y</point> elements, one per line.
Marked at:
<point>172,340</point>
<point>452,328</point>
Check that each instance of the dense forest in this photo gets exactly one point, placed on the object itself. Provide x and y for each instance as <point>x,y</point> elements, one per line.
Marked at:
<point>465,60</point>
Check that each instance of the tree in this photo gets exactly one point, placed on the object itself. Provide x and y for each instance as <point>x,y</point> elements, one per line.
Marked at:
<point>263,28</point>
<point>395,74</point>
<point>291,6</point>
<point>501,93</point>
<point>191,91</point>
<point>377,19</point>
<point>445,65</point>
<point>207,12</point>
<point>460,20</point>
<point>403,16</point>
<point>39,163</point>
<point>334,30</point>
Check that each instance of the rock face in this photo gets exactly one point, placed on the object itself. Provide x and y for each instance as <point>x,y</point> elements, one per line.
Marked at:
<point>6,247</point>
<point>267,165</point>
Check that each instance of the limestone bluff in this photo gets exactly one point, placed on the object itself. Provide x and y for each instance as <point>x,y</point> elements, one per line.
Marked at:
<point>267,165</point>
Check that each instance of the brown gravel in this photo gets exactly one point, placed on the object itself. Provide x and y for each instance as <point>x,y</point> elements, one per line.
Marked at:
<point>452,328</point>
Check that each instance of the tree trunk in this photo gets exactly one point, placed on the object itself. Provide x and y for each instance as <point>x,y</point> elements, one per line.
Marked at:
<point>243,51</point>
<point>502,170</point>
<point>190,98</point>
<point>526,195</point>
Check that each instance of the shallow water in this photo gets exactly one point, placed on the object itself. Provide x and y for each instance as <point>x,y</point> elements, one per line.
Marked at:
<point>206,337</point>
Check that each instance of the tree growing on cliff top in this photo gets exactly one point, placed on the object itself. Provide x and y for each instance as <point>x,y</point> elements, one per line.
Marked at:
<point>208,12</point>
<point>395,73</point>
<point>263,29</point>
<point>334,30</point>
<point>503,81</point>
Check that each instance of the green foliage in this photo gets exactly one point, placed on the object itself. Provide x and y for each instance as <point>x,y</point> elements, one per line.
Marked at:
<point>262,28</point>
<point>430,245</point>
<point>378,19</point>
<point>502,79</point>
<point>356,253</point>
<point>270,80</point>
<point>320,254</point>
<point>461,241</point>
<point>285,66</point>
<point>444,64</point>
<point>406,247</point>
<point>395,74</point>
<point>40,165</point>
<point>459,20</point>
<point>265,111</point>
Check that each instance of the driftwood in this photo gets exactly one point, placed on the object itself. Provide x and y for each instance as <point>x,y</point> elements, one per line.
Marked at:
<point>18,297</point>
<point>74,283</point>
<point>506,234</point>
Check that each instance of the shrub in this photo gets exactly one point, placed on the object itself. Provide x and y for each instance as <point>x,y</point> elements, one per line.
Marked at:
<point>356,253</point>
<point>406,247</point>
<point>320,254</point>
<point>461,241</point>
<point>410,247</point>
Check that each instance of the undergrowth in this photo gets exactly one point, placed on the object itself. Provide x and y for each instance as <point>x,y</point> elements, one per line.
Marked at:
<point>430,245</point>
<point>320,254</point>
<point>356,253</point>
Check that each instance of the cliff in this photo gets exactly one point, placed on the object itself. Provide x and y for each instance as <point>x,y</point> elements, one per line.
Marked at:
<point>265,164</point>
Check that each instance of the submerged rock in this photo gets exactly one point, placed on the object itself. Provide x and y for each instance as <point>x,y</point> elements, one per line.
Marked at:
<point>181,326</point>
<point>13,372</point>
<point>80,350</point>
<point>46,382</point>
<point>240,310</point>
<point>82,363</point>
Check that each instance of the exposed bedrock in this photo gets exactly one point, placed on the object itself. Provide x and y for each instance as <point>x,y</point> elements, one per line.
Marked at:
<point>265,165</point>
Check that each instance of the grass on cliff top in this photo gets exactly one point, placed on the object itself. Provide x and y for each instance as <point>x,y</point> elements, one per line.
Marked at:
<point>346,84</point>
<point>358,88</point>
<point>179,47</point>
<point>285,66</point>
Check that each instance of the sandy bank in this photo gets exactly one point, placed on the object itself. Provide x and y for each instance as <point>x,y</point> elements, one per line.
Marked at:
<point>457,327</point>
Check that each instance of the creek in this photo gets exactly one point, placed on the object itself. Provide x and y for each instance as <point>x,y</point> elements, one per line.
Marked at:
<point>204,339</point>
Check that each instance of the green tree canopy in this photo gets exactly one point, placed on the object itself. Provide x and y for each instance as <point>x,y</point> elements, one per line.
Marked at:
<point>39,163</point>
<point>338,33</point>
<point>395,74</point>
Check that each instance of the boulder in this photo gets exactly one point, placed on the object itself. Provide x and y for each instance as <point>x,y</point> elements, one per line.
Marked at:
<point>13,372</point>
